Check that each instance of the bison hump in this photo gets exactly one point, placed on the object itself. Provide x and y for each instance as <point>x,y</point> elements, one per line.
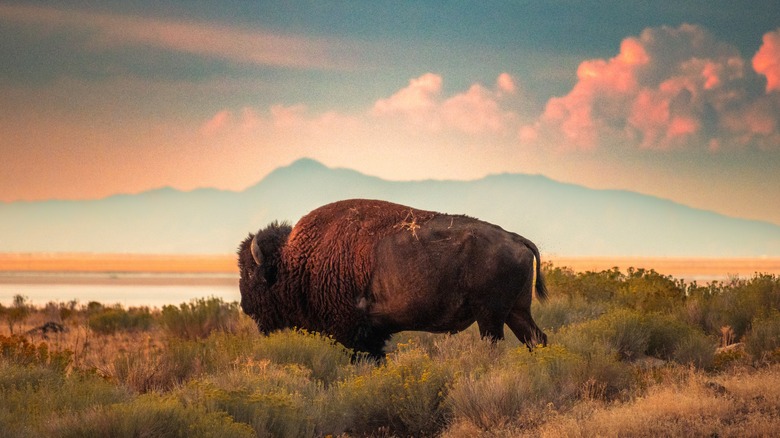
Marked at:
<point>333,246</point>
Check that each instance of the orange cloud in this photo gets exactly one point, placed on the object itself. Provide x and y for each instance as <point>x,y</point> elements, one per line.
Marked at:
<point>668,88</point>
<point>767,60</point>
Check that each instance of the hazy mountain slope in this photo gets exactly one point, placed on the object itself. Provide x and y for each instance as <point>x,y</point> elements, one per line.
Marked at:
<point>561,218</point>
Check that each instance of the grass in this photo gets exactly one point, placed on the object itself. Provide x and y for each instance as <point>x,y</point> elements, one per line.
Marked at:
<point>631,354</point>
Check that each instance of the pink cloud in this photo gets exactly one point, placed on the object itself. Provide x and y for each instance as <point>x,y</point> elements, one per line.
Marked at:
<point>506,83</point>
<point>216,124</point>
<point>767,60</point>
<point>417,99</point>
<point>474,111</point>
<point>668,88</point>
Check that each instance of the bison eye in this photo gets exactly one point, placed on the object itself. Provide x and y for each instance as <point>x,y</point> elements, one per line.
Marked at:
<point>270,275</point>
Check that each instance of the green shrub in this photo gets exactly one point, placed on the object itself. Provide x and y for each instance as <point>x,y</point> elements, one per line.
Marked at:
<point>735,303</point>
<point>649,291</point>
<point>110,320</point>
<point>199,318</point>
<point>279,401</point>
<point>695,348</point>
<point>321,354</point>
<point>625,332</point>
<point>148,416</point>
<point>405,395</point>
<point>560,311</point>
<point>763,340</point>
<point>467,352</point>
<point>33,395</point>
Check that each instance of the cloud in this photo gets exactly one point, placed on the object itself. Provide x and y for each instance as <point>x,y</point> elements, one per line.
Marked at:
<point>667,88</point>
<point>418,98</point>
<point>475,111</point>
<point>244,45</point>
<point>767,60</point>
<point>506,83</point>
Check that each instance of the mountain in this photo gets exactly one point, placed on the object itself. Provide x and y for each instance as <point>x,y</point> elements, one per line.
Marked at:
<point>563,219</point>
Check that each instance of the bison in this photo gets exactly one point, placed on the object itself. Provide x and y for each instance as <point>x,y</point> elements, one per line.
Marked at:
<point>360,270</point>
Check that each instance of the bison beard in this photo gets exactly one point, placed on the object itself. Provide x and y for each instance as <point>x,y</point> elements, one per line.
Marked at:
<point>361,270</point>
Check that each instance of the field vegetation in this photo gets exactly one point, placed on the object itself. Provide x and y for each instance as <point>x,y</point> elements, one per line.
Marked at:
<point>631,353</point>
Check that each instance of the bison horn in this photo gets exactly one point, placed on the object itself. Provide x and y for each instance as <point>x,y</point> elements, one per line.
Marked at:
<point>256,254</point>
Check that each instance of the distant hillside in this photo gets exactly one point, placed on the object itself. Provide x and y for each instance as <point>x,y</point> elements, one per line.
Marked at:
<point>563,219</point>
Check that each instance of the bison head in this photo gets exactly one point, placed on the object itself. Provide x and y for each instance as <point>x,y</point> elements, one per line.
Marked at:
<point>259,262</point>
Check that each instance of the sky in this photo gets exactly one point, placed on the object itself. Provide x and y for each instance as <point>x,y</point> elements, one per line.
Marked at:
<point>676,99</point>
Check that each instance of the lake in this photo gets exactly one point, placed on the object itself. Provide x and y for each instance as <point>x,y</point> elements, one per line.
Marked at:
<point>129,290</point>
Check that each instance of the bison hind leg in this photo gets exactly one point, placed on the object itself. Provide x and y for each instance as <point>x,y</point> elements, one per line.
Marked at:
<point>524,327</point>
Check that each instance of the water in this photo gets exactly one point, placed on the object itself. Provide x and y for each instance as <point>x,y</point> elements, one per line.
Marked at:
<point>129,290</point>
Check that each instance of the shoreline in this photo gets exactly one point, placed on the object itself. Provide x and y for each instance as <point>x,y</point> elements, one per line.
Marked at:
<point>221,269</point>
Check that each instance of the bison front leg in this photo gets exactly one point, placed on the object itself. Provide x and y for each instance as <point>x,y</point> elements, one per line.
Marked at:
<point>491,327</point>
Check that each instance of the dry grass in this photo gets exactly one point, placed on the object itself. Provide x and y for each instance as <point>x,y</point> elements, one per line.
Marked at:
<point>747,402</point>
<point>91,350</point>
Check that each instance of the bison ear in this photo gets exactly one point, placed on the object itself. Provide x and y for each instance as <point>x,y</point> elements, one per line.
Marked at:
<point>256,253</point>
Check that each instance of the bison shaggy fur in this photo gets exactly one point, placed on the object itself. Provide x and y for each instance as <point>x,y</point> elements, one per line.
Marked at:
<point>360,270</point>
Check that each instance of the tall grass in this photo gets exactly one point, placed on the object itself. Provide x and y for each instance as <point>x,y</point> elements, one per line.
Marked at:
<point>630,354</point>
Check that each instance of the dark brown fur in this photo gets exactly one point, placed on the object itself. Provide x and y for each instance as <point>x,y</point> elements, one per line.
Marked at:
<point>361,270</point>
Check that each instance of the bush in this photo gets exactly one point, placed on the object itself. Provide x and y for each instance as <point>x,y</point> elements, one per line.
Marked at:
<point>696,349</point>
<point>274,400</point>
<point>198,318</point>
<point>734,304</point>
<point>649,291</point>
<point>494,399</point>
<point>405,395</point>
<point>320,354</point>
<point>20,351</point>
<point>763,340</point>
<point>148,416</point>
<point>33,395</point>
<point>109,320</point>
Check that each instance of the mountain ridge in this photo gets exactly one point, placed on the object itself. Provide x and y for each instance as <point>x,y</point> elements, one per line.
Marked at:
<point>562,218</point>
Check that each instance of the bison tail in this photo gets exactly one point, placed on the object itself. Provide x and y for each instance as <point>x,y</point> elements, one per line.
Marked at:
<point>540,285</point>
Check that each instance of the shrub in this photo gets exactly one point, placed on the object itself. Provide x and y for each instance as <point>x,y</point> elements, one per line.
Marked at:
<point>145,370</point>
<point>18,312</point>
<point>148,416</point>
<point>696,349</point>
<point>200,317</point>
<point>32,395</point>
<point>274,400</point>
<point>560,311</point>
<point>763,340</point>
<point>109,320</point>
<point>649,291</point>
<point>19,350</point>
<point>405,395</point>
<point>622,332</point>
<point>321,354</point>
<point>494,399</point>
